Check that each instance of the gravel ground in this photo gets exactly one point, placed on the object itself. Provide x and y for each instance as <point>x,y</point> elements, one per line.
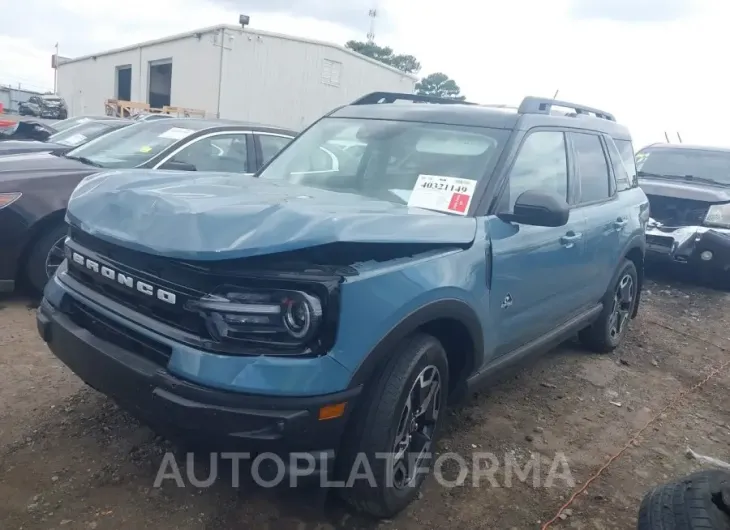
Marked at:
<point>70,459</point>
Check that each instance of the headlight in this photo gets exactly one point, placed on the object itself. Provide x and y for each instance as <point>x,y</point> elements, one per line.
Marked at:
<point>718,215</point>
<point>270,317</point>
<point>6,199</point>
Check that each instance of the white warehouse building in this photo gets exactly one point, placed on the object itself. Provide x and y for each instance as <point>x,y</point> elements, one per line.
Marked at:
<point>234,72</point>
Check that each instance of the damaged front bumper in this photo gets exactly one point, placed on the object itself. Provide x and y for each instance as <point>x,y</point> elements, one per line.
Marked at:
<point>697,246</point>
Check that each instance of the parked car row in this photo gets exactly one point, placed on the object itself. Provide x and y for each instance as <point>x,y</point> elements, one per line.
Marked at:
<point>35,186</point>
<point>329,293</point>
<point>63,140</point>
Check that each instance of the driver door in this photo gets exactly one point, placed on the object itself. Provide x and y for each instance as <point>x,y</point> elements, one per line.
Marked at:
<point>537,271</point>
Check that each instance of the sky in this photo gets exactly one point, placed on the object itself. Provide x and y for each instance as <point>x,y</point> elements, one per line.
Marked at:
<point>655,64</point>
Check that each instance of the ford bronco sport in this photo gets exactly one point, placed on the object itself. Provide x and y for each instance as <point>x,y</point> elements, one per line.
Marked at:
<point>332,309</point>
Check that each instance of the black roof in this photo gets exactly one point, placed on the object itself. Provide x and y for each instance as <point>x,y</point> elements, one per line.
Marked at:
<point>687,147</point>
<point>533,112</point>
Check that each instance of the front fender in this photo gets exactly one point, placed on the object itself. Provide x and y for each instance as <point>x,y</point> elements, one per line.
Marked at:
<point>380,308</point>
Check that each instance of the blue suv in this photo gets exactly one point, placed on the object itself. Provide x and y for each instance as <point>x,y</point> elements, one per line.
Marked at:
<point>396,255</point>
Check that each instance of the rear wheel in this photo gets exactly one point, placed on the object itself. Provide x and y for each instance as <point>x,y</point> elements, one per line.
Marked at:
<point>607,332</point>
<point>46,255</point>
<point>392,436</point>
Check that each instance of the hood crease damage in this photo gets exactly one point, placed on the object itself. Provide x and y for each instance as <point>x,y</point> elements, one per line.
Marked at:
<point>217,217</point>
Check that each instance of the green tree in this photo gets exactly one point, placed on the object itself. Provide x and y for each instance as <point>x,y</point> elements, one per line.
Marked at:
<point>405,63</point>
<point>439,85</point>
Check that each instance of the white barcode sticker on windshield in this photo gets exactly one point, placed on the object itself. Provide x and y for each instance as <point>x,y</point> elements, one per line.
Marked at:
<point>443,194</point>
<point>176,133</point>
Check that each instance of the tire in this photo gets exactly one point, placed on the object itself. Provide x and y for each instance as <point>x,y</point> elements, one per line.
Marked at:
<point>37,272</point>
<point>375,425</point>
<point>609,329</point>
<point>700,501</point>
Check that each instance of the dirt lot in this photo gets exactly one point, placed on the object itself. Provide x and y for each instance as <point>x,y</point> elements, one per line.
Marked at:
<point>69,459</point>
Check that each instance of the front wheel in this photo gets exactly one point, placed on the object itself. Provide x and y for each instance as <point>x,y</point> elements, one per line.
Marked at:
<point>607,332</point>
<point>388,450</point>
<point>46,255</point>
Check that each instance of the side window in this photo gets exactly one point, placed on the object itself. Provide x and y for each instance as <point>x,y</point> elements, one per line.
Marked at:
<point>626,149</point>
<point>541,164</point>
<point>592,167</point>
<point>623,182</point>
<point>225,152</point>
<point>271,145</point>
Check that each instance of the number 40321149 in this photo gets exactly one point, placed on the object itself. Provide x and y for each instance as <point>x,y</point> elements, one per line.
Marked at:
<point>442,186</point>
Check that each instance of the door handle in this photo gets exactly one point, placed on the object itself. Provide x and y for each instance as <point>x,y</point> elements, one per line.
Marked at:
<point>569,239</point>
<point>618,224</point>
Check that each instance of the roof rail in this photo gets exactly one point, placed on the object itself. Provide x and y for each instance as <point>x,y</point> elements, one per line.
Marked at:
<point>535,105</point>
<point>392,97</point>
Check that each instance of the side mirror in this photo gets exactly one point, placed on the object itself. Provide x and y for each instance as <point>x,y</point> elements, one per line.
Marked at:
<point>537,208</point>
<point>176,165</point>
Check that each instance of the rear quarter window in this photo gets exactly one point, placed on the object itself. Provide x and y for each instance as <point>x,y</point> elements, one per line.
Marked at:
<point>626,152</point>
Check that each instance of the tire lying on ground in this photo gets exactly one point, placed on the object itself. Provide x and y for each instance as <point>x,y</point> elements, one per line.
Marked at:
<point>700,501</point>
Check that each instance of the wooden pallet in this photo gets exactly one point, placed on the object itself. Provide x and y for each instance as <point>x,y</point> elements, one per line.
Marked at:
<point>129,109</point>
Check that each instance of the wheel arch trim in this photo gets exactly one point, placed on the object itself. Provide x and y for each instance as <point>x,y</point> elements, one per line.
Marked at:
<point>450,308</point>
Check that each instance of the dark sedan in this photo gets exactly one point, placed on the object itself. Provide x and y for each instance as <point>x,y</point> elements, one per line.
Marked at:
<point>35,187</point>
<point>66,140</point>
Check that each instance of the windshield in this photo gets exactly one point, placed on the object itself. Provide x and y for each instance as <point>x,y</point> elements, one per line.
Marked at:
<point>686,163</point>
<point>81,133</point>
<point>385,159</point>
<point>134,145</point>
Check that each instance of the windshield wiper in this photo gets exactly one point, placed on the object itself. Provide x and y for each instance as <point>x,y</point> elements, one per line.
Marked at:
<point>84,160</point>
<point>688,178</point>
<point>657,175</point>
<point>706,180</point>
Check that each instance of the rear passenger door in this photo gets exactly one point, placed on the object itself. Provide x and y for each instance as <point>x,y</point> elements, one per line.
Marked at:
<point>596,197</point>
<point>537,271</point>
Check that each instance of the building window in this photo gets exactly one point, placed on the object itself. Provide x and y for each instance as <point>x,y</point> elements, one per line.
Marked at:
<point>331,71</point>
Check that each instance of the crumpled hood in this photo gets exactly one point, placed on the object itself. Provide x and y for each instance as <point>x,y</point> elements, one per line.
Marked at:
<point>215,216</point>
<point>684,189</point>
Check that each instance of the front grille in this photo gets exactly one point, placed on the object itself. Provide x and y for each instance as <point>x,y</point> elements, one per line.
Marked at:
<point>110,331</point>
<point>162,288</point>
<point>147,268</point>
<point>178,318</point>
<point>671,211</point>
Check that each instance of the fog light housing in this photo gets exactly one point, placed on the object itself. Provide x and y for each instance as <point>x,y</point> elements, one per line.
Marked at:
<point>706,255</point>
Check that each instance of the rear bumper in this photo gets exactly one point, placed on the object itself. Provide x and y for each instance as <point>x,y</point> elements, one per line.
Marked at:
<point>228,420</point>
<point>697,247</point>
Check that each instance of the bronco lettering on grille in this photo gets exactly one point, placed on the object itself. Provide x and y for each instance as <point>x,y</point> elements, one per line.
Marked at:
<point>123,279</point>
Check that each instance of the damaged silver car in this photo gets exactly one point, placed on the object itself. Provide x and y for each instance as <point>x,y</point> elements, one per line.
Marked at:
<point>689,194</point>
